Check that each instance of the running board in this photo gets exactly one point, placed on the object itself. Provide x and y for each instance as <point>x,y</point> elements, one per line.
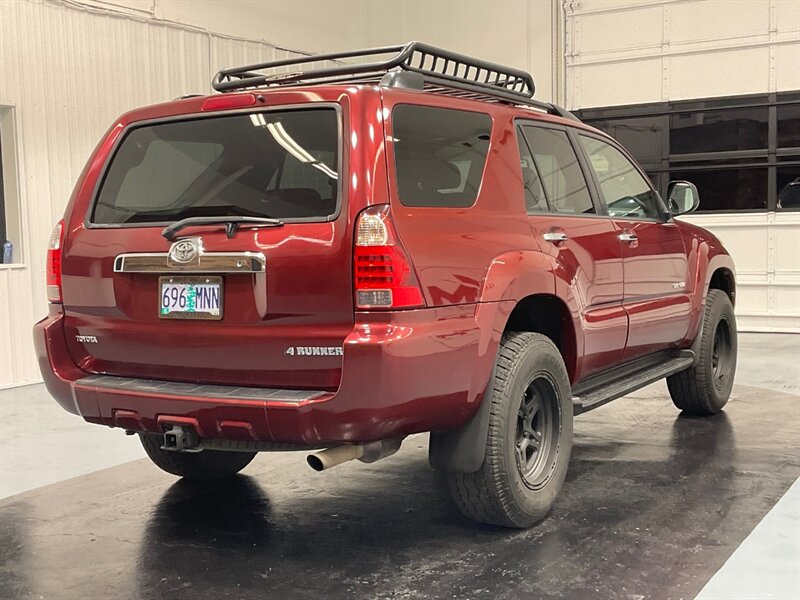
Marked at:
<point>599,396</point>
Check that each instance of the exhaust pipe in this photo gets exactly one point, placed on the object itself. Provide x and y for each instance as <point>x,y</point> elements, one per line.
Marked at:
<point>366,453</point>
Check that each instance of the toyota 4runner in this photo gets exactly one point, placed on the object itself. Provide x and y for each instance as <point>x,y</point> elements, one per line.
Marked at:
<point>332,259</point>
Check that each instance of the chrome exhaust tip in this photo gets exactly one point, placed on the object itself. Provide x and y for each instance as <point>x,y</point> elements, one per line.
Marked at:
<point>367,453</point>
<point>325,459</point>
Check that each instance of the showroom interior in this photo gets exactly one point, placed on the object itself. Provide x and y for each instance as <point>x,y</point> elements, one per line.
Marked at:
<point>656,503</point>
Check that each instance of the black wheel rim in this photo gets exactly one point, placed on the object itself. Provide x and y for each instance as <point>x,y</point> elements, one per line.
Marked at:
<point>538,425</point>
<point>721,354</point>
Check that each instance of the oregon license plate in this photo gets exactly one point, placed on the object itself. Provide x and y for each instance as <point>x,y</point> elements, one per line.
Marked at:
<point>190,297</point>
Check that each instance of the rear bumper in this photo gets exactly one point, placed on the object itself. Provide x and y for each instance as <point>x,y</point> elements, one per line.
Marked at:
<point>403,372</point>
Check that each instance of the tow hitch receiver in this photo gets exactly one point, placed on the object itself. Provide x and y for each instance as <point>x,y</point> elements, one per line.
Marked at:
<point>180,438</point>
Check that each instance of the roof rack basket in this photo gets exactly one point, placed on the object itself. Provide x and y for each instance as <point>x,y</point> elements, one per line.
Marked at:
<point>433,67</point>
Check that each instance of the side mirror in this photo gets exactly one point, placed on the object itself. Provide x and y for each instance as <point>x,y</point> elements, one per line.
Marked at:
<point>683,197</point>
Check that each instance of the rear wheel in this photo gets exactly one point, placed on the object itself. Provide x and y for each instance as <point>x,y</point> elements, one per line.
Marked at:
<point>704,388</point>
<point>530,437</point>
<point>206,465</point>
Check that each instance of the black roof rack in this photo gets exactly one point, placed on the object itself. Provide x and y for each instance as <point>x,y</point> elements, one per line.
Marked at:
<point>413,65</point>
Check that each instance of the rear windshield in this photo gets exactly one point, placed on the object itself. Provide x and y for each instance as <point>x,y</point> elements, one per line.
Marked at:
<point>439,155</point>
<point>268,164</point>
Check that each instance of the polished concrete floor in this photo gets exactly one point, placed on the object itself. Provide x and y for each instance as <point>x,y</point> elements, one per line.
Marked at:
<point>654,506</point>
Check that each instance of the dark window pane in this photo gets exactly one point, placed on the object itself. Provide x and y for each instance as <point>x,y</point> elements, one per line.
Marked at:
<point>560,171</point>
<point>270,164</point>
<point>655,179</point>
<point>728,189</point>
<point>439,155</point>
<point>718,131</point>
<point>2,204</point>
<point>789,188</point>
<point>722,162</point>
<point>789,126</point>
<point>535,200</point>
<point>641,136</point>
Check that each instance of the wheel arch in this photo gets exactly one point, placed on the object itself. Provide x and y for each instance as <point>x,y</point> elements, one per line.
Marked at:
<point>526,282</point>
<point>722,278</point>
<point>549,315</point>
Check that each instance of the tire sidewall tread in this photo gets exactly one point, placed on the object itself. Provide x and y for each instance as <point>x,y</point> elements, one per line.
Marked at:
<point>496,493</point>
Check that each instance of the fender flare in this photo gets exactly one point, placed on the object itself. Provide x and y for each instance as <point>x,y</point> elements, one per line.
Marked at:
<point>510,278</point>
<point>708,259</point>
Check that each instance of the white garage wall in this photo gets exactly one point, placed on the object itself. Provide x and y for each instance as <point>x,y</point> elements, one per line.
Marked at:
<point>638,51</point>
<point>519,33</point>
<point>70,68</point>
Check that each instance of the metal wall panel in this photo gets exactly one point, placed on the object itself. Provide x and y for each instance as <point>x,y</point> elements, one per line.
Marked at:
<point>69,72</point>
<point>685,48</point>
<point>622,52</point>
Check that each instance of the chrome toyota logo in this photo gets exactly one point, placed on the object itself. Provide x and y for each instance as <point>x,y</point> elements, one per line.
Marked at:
<point>183,251</point>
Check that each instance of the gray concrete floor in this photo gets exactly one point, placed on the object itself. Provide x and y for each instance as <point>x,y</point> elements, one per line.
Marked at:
<point>767,563</point>
<point>770,361</point>
<point>42,444</point>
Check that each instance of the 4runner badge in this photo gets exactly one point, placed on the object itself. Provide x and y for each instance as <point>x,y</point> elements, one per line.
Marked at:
<point>314,351</point>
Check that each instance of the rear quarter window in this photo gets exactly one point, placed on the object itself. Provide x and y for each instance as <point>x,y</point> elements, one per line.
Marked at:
<point>440,155</point>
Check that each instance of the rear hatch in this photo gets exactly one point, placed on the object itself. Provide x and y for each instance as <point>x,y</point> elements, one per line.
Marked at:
<point>266,305</point>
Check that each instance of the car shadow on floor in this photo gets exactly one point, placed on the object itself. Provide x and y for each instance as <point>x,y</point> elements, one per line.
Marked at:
<point>653,504</point>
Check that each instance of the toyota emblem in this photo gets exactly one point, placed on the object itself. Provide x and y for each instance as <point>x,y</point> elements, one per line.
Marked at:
<point>183,251</point>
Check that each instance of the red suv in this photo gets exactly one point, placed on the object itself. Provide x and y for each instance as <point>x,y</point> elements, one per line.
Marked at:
<point>335,258</point>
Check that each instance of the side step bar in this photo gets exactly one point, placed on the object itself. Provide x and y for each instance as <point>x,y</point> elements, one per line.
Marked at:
<point>604,394</point>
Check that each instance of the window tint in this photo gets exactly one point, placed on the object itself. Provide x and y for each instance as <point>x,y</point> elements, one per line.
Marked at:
<point>559,169</point>
<point>270,164</point>
<point>708,127</point>
<point>624,191</point>
<point>644,137</point>
<point>2,202</point>
<point>439,155</point>
<point>789,125</point>
<point>789,188</point>
<point>728,189</point>
<point>10,207</point>
<point>720,130</point>
<point>535,200</point>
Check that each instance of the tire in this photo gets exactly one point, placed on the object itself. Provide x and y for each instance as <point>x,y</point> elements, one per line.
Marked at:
<point>206,465</point>
<point>509,490</point>
<point>704,389</point>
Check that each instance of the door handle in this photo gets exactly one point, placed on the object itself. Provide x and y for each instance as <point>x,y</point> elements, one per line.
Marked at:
<point>555,236</point>
<point>628,236</point>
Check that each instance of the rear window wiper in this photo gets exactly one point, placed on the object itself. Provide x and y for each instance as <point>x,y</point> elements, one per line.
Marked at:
<point>231,224</point>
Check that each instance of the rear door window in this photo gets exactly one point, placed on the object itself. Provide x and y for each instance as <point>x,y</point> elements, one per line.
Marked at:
<point>439,154</point>
<point>535,200</point>
<point>281,164</point>
<point>559,170</point>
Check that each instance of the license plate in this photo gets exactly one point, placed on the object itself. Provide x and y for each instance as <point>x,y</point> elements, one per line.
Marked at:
<point>190,297</point>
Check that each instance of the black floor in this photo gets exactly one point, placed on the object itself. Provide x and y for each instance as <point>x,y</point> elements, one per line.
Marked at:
<point>654,504</point>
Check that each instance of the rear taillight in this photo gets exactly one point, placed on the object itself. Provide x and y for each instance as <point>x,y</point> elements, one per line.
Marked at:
<point>54,263</point>
<point>384,275</point>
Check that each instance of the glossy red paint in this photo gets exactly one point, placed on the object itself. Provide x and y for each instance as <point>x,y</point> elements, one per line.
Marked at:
<point>450,349</point>
<point>401,371</point>
<point>655,275</point>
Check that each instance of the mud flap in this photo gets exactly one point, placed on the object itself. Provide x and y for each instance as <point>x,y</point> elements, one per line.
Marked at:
<point>462,450</point>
